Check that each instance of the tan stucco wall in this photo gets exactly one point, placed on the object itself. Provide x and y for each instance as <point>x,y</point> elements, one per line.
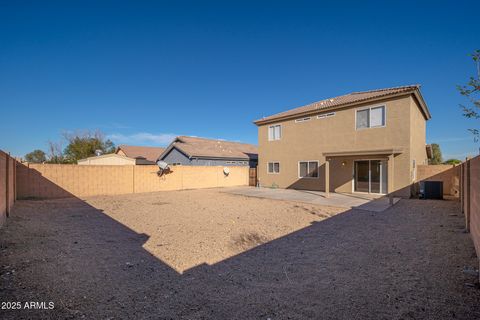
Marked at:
<point>57,181</point>
<point>309,140</point>
<point>418,151</point>
<point>107,160</point>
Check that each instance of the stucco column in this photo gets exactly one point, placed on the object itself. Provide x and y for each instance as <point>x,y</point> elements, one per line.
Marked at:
<point>390,173</point>
<point>327,178</point>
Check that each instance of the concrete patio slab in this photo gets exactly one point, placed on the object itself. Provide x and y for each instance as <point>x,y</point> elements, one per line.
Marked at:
<point>366,202</point>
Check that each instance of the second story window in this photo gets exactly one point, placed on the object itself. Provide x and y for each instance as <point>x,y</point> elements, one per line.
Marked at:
<point>274,132</point>
<point>371,117</point>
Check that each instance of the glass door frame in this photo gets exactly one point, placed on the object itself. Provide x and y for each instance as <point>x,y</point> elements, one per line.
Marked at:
<point>383,162</point>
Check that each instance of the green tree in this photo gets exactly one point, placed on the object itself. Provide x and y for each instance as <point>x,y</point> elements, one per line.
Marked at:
<point>84,144</point>
<point>36,156</point>
<point>472,91</point>
<point>452,161</point>
<point>436,154</point>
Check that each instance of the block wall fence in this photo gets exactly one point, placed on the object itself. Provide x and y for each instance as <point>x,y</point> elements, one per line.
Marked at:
<point>448,174</point>
<point>7,185</point>
<point>470,198</point>
<point>48,181</point>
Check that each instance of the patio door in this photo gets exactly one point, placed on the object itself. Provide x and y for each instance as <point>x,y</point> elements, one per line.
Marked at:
<point>370,176</point>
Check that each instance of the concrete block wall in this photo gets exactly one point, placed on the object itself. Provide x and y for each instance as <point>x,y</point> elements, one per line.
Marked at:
<point>57,181</point>
<point>7,185</point>
<point>470,198</point>
<point>475,202</point>
<point>449,174</point>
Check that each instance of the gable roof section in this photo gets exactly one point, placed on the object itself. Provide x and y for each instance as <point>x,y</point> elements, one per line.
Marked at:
<point>211,148</point>
<point>350,99</point>
<point>149,153</point>
<point>108,155</point>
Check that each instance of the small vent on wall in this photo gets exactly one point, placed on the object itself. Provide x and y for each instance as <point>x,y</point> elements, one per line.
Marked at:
<point>325,115</point>
<point>302,119</point>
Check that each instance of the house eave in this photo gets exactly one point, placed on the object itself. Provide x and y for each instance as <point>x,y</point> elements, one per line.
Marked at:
<point>415,92</point>
<point>368,152</point>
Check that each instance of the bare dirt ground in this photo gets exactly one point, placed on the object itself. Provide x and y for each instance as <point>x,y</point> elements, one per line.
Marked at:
<point>204,254</point>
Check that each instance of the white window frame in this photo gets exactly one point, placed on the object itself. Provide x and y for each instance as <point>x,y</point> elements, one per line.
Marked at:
<point>308,161</point>
<point>302,120</point>
<point>268,171</point>
<point>369,108</point>
<point>270,137</point>
<point>326,115</point>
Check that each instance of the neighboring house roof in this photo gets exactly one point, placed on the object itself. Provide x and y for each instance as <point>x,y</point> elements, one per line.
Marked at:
<point>149,153</point>
<point>350,99</point>
<point>211,148</point>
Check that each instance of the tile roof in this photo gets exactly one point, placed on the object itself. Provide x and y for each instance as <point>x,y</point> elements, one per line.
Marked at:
<point>353,97</point>
<point>149,153</point>
<point>211,148</point>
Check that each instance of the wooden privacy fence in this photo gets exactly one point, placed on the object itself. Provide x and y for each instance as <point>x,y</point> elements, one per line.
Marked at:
<point>7,185</point>
<point>48,181</point>
<point>252,179</point>
<point>470,198</point>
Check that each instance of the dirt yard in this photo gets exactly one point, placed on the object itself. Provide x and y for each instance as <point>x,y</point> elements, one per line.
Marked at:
<point>205,254</point>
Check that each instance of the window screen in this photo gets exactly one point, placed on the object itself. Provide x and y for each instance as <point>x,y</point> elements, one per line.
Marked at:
<point>270,167</point>
<point>377,117</point>
<point>363,118</point>
<point>303,169</point>
<point>278,132</point>
<point>308,169</point>
<point>312,169</point>
<point>273,167</point>
<point>274,132</point>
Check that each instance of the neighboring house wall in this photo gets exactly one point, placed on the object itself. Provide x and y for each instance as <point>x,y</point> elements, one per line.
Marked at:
<point>175,156</point>
<point>120,152</point>
<point>107,160</point>
<point>310,139</point>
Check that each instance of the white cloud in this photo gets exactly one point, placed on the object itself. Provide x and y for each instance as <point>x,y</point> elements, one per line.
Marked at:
<point>142,138</point>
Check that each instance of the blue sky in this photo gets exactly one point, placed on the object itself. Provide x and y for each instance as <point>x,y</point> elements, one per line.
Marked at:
<point>145,71</point>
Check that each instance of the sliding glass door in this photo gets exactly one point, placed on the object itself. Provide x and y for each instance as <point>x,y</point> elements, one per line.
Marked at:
<point>370,176</point>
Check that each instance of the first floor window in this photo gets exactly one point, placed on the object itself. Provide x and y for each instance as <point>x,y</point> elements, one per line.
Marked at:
<point>308,169</point>
<point>274,167</point>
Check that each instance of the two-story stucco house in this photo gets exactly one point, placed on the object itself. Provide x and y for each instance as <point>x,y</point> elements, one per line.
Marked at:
<point>365,142</point>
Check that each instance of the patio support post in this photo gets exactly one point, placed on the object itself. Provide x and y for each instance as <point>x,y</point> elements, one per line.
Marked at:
<point>390,173</point>
<point>327,178</point>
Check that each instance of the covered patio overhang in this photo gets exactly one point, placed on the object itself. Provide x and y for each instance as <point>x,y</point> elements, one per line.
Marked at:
<point>387,153</point>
